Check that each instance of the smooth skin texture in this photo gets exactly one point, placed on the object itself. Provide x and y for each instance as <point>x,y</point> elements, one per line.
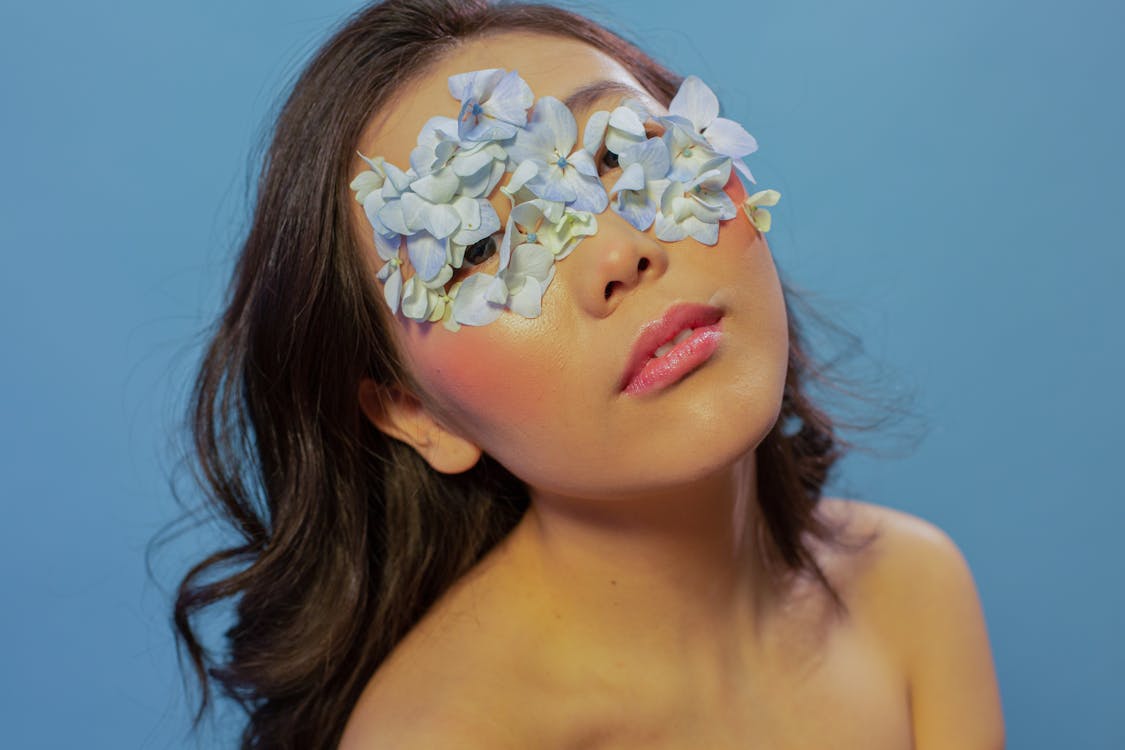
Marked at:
<point>628,609</point>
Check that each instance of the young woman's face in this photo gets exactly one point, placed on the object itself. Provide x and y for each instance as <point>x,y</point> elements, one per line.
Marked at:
<point>541,395</point>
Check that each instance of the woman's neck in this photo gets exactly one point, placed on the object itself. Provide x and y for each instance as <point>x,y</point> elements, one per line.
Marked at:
<point>672,575</point>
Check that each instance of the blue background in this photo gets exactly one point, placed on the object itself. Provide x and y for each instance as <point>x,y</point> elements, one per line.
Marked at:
<point>952,181</point>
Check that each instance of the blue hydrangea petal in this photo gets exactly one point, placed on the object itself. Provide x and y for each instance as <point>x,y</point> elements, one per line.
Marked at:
<point>391,217</point>
<point>583,162</point>
<point>633,178</point>
<point>589,192</point>
<point>427,254</point>
<point>470,306</point>
<point>387,246</point>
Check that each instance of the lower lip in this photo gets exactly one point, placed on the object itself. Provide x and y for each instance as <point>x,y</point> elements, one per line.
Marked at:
<point>684,357</point>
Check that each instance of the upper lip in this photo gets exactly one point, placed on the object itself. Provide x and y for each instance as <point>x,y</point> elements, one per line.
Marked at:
<point>656,333</point>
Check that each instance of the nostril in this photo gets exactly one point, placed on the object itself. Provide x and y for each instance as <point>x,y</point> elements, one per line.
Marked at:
<point>609,289</point>
<point>642,264</point>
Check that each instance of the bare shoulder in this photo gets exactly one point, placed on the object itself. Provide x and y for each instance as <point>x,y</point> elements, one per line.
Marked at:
<point>441,686</point>
<point>423,698</point>
<point>919,585</point>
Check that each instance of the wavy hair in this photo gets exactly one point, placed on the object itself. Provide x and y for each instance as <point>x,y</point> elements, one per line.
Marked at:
<point>345,536</point>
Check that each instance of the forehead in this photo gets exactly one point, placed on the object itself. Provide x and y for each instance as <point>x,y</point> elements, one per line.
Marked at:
<point>551,66</point>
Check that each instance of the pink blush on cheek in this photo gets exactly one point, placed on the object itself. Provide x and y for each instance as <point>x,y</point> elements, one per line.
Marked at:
<point>479,375</point>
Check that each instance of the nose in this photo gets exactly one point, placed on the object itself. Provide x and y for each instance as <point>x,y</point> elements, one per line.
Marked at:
<point>608,265</point>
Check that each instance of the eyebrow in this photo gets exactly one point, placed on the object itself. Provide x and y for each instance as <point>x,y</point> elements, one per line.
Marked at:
<point>583,98</point>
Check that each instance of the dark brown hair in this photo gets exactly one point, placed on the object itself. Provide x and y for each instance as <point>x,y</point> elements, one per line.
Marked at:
<point>345,537</point>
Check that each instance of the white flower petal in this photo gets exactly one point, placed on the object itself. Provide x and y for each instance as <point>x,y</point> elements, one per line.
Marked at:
<point>474,84</point>
<point>552,116</point>
<point>528,301</point>
<point>730,139</point>
<point>531,260</point>
<point>416,302</point>
<point>764,198</point>
<point>392,288</point>
<point>594,131</point>
<point>696,102</point>
<point>437,187</point>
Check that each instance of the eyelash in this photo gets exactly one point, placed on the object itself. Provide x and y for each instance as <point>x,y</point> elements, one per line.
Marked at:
<point>468,268</point>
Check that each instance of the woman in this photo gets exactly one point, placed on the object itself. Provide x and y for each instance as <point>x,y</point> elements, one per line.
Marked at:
<point>507,407</point>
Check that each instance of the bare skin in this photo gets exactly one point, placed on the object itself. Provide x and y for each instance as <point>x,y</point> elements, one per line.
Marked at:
<point>628,608</point>
<point>488,667</point>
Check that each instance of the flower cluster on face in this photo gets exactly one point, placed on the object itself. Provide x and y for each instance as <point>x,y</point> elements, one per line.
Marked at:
<point>439,212</point>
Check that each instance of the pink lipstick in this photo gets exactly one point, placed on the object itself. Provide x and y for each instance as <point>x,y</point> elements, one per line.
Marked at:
<point>667,349</point>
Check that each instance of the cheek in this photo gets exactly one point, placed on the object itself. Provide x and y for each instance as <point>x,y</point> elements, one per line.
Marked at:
<point>482,379</point>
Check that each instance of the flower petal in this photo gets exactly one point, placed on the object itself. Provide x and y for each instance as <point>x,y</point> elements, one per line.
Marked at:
<point>416,301</point>
<point>584,163</point>
<point>530,260</point>
<point>470,306</point>
<point>528,301</point>
<point>475,84</point>
<point>392,289</point>
<point>552,116</point>
<point>437,187</point>
<point>730,139</point>
<point>764,198</point>
<point>510,100</point>
<point>589,192</point>
<point>633,178</point>
<point>594,131</point>
<point>696,102</point>
<point>427,254</point>
<point>635,208</point>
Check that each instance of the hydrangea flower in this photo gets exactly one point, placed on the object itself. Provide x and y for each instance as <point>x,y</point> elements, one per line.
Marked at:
<point>562,172</point>
<point>636,194</point>
<point>619,129</point>
<point>439,207</point>
<point>494,104</point>
<point>693,120</point>
<point>537,222</point>
<point>753,206</point>
<point>695,208</point>
<point>449,166</point>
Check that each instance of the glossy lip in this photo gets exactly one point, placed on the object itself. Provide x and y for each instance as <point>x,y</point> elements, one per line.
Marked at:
<point>656,333</point>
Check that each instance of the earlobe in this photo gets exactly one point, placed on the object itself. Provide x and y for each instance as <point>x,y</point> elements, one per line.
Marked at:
<point>402,415</point>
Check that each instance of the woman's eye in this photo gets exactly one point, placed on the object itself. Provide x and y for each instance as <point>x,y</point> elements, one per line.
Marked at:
<point>479,252</point>
<point>609,160</point>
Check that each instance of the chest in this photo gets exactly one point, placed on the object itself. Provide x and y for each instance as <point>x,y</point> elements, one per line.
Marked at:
<point>842,692</point>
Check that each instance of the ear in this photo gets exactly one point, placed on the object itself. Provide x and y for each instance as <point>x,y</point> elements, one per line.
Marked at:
<point>402,416</point>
